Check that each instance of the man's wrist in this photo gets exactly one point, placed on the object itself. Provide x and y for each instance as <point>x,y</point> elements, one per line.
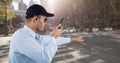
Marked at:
<point>72,39</point>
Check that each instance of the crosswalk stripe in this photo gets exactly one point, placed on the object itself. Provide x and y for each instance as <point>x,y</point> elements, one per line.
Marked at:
<point>64,49</point>
<point>76,55</point>
<point>62,46</point>
<point>98,61</point>
<point>60,55</point>
<point>74,59</point>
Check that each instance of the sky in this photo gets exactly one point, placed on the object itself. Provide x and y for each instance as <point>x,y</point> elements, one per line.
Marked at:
<point>15,4</point>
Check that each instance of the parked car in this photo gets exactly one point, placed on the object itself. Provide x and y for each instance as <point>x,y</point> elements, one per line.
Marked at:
<point>108,29</point>
<point>65,30</point>
<point>69,30</point>
<point>95,29</point>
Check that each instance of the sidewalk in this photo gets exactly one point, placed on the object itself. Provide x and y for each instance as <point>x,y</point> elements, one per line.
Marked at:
<point>4,48</point>
<point>4,40</point>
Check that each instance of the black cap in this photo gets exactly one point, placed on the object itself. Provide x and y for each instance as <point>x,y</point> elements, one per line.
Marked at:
<point>36,10</point>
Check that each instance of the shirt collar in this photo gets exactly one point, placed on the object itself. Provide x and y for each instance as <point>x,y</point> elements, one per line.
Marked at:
<point>31,32</point>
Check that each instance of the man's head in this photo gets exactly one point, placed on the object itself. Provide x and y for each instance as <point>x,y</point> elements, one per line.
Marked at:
<point>36,17</point>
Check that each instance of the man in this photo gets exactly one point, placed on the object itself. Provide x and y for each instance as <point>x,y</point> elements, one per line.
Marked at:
<point>28,46</point>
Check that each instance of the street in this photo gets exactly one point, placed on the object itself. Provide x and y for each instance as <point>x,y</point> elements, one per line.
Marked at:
<point>98,47</point>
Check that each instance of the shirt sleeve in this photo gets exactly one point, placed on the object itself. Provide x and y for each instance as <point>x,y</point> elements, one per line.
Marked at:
<point>41,53</point>
<point>59,41</point>
<point>44,39</point>
<point>62,40</point>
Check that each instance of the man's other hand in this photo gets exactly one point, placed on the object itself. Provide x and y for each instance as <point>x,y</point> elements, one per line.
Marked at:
<point>78,39</point>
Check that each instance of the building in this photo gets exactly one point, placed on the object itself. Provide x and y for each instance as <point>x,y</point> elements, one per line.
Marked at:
<point>11,7</point>
<point>31,3</point>
<point>22,6</point>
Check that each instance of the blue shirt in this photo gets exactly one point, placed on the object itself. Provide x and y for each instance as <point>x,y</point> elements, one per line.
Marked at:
<point>28,47</point>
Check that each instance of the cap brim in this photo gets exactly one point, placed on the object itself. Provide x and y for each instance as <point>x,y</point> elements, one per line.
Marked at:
<point>49,14</point>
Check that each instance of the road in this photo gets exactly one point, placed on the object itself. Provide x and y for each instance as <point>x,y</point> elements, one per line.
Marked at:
<point>98,47</point>
<point>101,47</point>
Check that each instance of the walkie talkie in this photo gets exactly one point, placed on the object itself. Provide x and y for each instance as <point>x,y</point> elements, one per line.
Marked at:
<point>60,22</point>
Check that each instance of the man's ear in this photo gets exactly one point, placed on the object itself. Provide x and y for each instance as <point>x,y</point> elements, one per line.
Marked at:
<point>35,19</point>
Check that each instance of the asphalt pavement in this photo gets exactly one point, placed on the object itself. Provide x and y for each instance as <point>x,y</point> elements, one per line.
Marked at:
<point>98,47</point>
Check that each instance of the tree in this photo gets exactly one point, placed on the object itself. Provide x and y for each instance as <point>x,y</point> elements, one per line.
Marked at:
<point>115,13</point>
<point>10,14</point>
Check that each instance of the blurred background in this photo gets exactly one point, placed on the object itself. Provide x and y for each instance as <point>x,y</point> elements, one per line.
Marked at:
<point>98,20</point>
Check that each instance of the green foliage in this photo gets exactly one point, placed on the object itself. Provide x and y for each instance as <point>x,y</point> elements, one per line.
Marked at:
<point>115,4</point>
<point>8,2</point>
<point>1,17</point>
<point>10,14</point>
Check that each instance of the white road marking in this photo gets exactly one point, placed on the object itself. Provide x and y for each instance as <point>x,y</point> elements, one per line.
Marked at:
<point>98,61</point>
<point>76,56</point>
